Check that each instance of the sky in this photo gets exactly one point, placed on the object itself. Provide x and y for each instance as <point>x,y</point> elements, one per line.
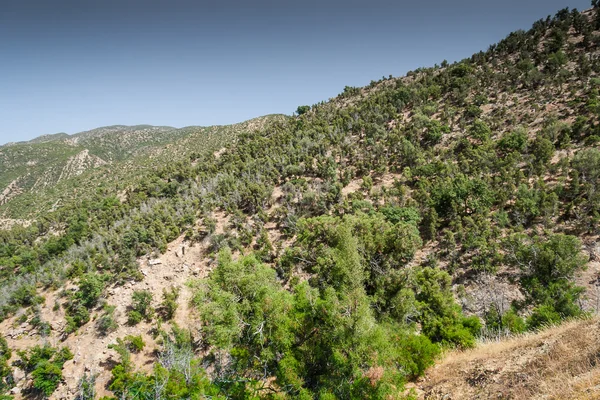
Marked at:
<point>74,65</point>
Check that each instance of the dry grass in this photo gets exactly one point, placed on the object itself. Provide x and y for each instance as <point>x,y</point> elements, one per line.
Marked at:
<point>558,363</point>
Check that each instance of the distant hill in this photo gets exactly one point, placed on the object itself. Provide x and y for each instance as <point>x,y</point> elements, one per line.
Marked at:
<point>33,168</point>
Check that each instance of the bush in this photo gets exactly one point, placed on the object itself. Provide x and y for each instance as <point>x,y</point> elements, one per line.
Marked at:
<point>26,295</point>
<point>401,214</point>
<point>417,354</point>
<point>548,267</point>
<point>302,110</point>
<point>134,317</point>
<point>473,111</point>
<point>510,321</point>
<point>169,305</point>
<point>542,150</point>
<point>5,371</point>
<point>480,131</point>
<point>90,289</point>
<point>441,318</point>
<point>135,344</point>
<point>44,364</point>
<point>77,315</point>
<point>87,387</point>
<point>513,141</point>
<point>46,377</point>
<point>543,316</point>
<point>107,322</point>
<point>141,307</point>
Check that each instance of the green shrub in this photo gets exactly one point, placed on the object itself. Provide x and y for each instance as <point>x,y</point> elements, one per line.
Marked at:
<point>46,377</point>
<point>480,131</point>
<point>513,141</point>
<point>417,353</point>
<point>26,295</point>
<point>548,267</point>
<point>543,316</point>
<point>141,307</point>
<point>77,315</point>
<point>441,318</point>
<point>134,317</point>
<point>401,214</point>
<point>5,370</point>
<point>107,323</point>
<point>90,289</point>
<point>302,110</point>
<point>513,322</point>
<point>135,344</point>
<point>169,305</point>
<point>44,364</point>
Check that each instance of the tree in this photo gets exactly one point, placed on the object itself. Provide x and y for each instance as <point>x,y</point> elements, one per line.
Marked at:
<point>302,110</point>
<point>542,150</point>
<point>141,306</point>
<point>440,317</point>
<point>169,305</point>
<point>480,131</point>
<point>548,266</point>
<point>5,370</point>
<point>44,364</point>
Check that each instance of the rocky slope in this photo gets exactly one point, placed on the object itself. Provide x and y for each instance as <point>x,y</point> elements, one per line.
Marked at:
<point>335,254</point>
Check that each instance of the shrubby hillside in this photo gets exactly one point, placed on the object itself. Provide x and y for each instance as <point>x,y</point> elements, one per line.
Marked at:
<point>56,170</point>
<point>333,254</point>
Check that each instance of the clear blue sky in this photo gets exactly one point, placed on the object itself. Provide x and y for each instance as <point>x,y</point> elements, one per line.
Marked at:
<point>74,65</point>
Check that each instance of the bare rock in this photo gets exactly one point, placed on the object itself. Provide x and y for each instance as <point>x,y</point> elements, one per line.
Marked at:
<point>18,375</point>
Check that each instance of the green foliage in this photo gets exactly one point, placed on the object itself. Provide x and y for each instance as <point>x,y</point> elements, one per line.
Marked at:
<point>46,377</point>
<point>141,307</point>
<point>445,158</point>
<point>169,305</point>
<point>134,317</point>
<point>441,318</point>
<point>473,111</point>
<point>542,149</point>
<point>5,370</point>
<point>513,141</point>
<point>90,289</point>
<point>548,267</point>
<point>313,341</point>
<point>135,344</point>
<point>302,110</point>
<point>509,321</point>
<point>87,387</point>
<point>177,374</point>
<point>44,364</point>
<point>401,214</point>
<point>80,302</point>
<point>585,186</point>
<point>107,323</point>
<point>480,131</point>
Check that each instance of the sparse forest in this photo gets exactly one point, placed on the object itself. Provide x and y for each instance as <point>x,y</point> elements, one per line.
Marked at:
<point>343,249</point>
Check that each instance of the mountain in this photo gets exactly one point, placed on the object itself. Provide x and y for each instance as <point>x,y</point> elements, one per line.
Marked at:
<point>370,246</point>
<point>39,173</point>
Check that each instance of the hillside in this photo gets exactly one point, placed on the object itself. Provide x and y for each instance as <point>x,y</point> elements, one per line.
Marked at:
<point>558,363</point>
<point>52,169</point>
<point>355,250</point>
